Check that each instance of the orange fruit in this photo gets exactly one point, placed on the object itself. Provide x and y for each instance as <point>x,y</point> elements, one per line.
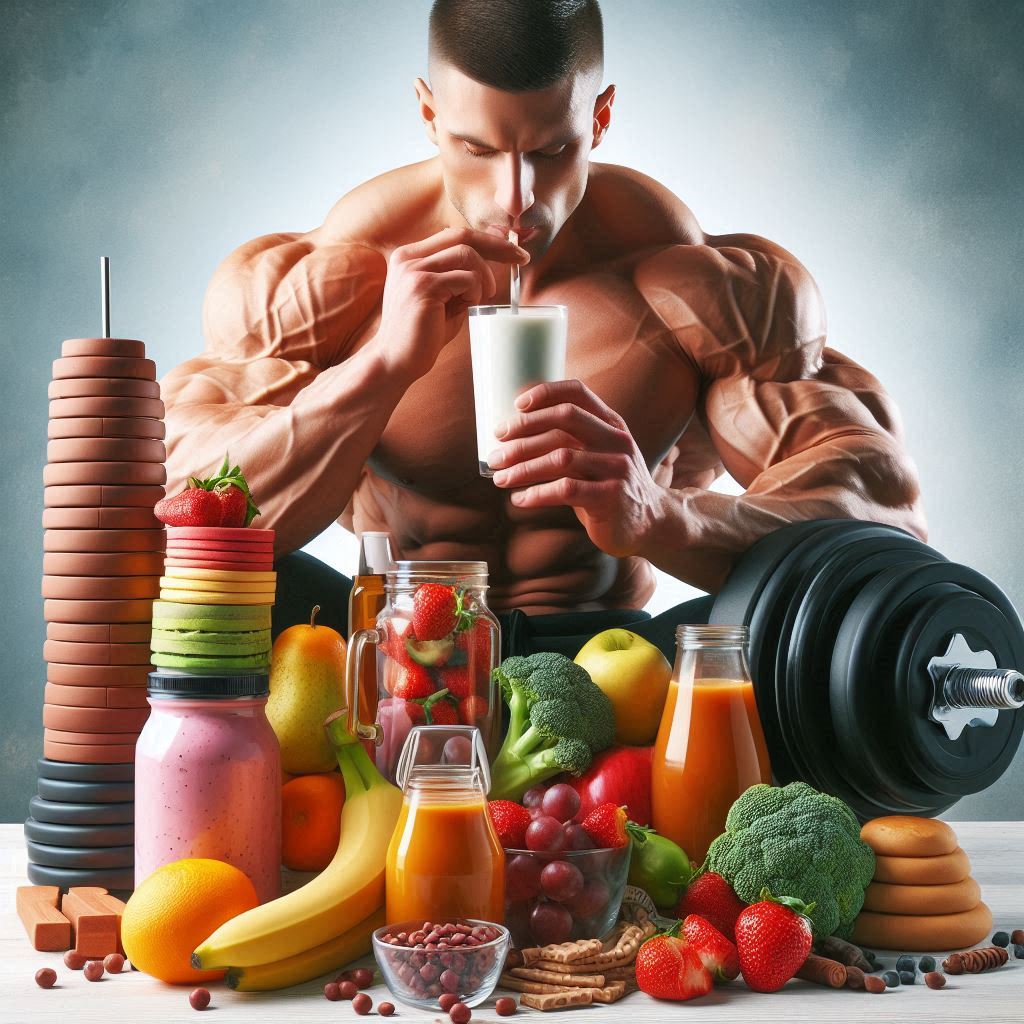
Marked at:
<point>311,820</point>
<point>175,909</point>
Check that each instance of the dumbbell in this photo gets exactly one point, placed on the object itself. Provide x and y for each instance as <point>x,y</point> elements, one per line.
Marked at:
<point>884,673</point>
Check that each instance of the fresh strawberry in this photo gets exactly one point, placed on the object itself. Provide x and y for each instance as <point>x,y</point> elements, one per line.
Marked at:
<point>510,822</point>
<point>717,953</point>
<point>393,644</point>
<point>440,710</point>
<point>472,710</point>
<point>476,642</point>
<point>413,682</point>
<point>234,505</point>
<point>458,680</point>
<point>667,968</point>
<point>437,611</point>
<point>606,825</point>
<point>193,506</point>
<point>711,896</point>
<point>773,938</point>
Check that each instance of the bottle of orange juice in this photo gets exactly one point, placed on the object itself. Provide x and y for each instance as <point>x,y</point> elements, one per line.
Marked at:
<point>445,860</point>
<point>710,745</point>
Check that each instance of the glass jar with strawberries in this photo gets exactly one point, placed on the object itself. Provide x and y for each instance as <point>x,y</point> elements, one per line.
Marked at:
<point>436,644</point>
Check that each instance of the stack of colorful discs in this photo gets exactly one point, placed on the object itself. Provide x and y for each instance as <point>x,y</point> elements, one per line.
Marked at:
<point>213,615</point>
<point>103,554</point>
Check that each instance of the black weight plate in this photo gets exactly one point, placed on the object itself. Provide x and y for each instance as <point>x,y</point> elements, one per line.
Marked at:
<point>81,814</point>
<point>80,857</point>
<point>828,590</point>
<point>86,792</point>
<point>861,701</point>
<point>957,768</point>
<point>69,771</point>
<point>115,879</point>
<point>79,835</point>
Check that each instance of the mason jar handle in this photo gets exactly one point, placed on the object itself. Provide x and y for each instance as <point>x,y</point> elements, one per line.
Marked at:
<point>353,675</point>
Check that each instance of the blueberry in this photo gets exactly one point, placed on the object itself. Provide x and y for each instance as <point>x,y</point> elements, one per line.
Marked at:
<point>905,963</point>
<point>907,977</point>
<point>1018,950</point>
<point>891,979</point>
<point>1001,939</point>
<point>926,964</point>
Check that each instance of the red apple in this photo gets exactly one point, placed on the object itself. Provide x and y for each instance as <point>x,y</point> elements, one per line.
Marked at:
<point>618,775</point>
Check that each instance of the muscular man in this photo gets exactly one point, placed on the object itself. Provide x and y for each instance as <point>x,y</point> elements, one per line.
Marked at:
<point>337,370</point>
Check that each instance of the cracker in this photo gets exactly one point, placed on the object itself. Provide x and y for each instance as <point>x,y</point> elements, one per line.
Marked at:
<point>558,1000</point>
<point>559,978</point>
<point>563,953</point>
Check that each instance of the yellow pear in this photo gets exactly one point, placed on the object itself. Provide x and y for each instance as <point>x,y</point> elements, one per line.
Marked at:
<point>307,683</point>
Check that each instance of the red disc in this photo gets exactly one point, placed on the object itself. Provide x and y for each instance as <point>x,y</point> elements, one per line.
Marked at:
<point>126,348</point>
<point>101,496</point>
<point>67,652</point>
<point>99,738</point>
<point>244,534</point>
<point>96,696</point>
<point>96,611</point>
<point>63,408</point>
<point>104,366</point>
<point>105,449</point>
<point>98,675</point>
<point>100,588</point>
<point>88,753</point>
<point>94,720</point>
<point>57,474</point>
<point>102,387</point>
<point>100,633</point>
<point>141,518</point>
<point>103,563</point>
<point>103,540</point>
<point>267,565</point>
<point>220,548</point>
<point>107,426</point>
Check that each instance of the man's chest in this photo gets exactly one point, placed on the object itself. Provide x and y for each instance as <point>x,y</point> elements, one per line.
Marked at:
<point>616,346</point>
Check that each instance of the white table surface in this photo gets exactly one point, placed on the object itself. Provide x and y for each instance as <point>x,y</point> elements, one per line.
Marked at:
<point>996,850</point>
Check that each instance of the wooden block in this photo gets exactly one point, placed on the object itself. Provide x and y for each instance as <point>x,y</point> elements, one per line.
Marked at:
<point>96,917</point>
<point>48,929</point>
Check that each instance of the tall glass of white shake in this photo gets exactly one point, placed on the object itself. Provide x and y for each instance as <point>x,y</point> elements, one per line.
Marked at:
<point>511,351</point>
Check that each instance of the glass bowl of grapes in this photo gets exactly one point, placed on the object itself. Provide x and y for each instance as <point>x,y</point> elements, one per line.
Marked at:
<point>561,883</point>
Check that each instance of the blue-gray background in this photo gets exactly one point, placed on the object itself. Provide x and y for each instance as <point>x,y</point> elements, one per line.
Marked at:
<point>881,142</point>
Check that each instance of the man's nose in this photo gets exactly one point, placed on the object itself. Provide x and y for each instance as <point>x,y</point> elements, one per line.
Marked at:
<point>514,192</point>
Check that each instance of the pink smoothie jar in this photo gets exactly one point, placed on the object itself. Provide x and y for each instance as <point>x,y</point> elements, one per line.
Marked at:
<point>208,777</point>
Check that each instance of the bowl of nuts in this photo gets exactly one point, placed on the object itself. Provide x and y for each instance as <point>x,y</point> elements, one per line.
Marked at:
<point>422,961</point>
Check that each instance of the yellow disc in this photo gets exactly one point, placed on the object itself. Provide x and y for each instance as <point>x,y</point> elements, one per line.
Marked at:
<point>214,597</point>
<point>179,573</point>
<point>218,586</point>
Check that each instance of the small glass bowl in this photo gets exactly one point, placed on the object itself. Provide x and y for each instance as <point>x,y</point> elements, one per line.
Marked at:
<point>590,913</point>
<point>476,967</point>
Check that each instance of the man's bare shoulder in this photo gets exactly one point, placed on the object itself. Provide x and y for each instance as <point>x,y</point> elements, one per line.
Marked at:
<point>396,207</point>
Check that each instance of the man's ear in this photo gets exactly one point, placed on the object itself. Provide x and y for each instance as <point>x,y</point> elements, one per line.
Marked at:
<point>425,99</point>
<point>603,114</point>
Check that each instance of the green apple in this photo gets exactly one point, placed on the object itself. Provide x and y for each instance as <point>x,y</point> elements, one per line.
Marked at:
<point>634,674</point>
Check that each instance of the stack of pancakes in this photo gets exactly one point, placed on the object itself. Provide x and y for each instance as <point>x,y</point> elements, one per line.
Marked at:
<point>216,595</point>
<point>922,898</point>
<point>103,550</point>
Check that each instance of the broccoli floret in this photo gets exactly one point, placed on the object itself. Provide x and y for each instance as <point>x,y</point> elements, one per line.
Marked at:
<point>796,842</point>
<point>558,719</point>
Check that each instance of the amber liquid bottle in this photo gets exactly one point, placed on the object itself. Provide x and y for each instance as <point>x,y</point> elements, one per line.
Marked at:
<point>364,604</point>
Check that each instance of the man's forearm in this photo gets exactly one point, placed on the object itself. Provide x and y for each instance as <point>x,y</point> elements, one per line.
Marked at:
<point>697,535</point>
<point>303,460</point>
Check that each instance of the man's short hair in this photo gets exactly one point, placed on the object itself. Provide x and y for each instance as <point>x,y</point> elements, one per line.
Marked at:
<point>517,45</point>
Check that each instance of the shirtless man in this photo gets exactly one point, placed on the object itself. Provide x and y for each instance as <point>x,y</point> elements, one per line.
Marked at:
<point>337,370</point>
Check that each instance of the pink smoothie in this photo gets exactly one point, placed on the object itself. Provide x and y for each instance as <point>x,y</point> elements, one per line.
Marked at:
<point>208,784</point>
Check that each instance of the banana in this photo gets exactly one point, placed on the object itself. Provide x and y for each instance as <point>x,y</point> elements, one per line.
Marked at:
<point>345,893</point>
<point>310,964</point>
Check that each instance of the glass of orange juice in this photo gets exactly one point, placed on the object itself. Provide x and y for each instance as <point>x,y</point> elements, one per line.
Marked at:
<point>710,745</point>
<point>445,860</point>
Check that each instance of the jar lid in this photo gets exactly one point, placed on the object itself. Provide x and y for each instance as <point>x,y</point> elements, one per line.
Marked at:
<point>467,573</point>
<point>172,682</point>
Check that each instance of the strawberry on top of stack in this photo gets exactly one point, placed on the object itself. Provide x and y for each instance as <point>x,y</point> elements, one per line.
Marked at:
<point>218,586</point>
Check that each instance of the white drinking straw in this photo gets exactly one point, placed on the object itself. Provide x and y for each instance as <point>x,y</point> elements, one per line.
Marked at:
<point>513,293</point>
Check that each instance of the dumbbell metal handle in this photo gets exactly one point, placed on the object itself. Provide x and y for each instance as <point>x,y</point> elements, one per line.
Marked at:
<point>965,687</point>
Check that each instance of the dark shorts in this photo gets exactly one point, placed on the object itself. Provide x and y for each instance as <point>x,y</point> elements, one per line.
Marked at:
<point>304,581</point>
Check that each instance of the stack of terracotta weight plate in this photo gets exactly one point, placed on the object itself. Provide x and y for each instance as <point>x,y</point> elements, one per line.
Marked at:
<point>103,555</point>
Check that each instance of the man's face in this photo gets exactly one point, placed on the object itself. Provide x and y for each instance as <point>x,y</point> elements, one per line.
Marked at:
<point>512,160</point>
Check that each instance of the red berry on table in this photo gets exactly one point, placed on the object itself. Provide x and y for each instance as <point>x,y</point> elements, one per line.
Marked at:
<point>473,710</point>
<point>113,963</point>
<point>716,952</point>
<point>447,1000</point>
<point>46,977</point>
<point>93,970</point>
<point>667,968</point>
<point>511,820</point>
<point>711,896</point>
<point>436,610</point>
<point>505,1007</point>
<point>362,1004</point>
<point>74,961</point>
<point>460,1013</point>
<point>348,989</point>
<point>773,939</point>
<point>606,825</point>
<point>545,835</point>
<point>199,998</point>
<point>385,1009</point>
<point>414,681</point>
<point>332,991</point>
<point>561,801</point>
